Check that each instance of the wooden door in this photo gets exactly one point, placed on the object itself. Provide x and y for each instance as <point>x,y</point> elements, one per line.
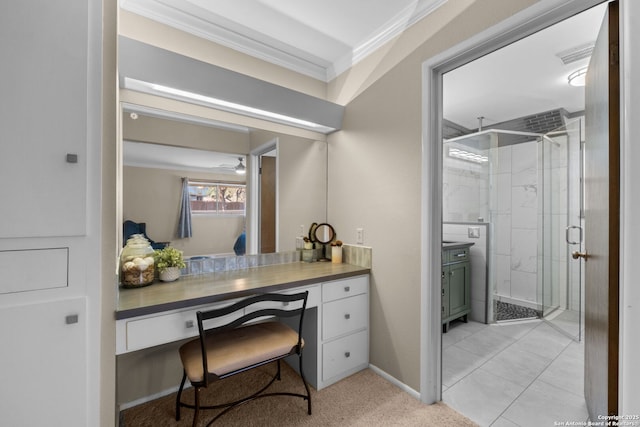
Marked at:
<point>267,204</point>
<point>602,201</point>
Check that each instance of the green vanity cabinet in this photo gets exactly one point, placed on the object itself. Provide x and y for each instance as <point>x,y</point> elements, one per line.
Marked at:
<point>456,282</point>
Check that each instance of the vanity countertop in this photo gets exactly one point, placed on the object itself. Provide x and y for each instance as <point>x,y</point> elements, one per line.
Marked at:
<point>190,291</point>
<point>456,245</point>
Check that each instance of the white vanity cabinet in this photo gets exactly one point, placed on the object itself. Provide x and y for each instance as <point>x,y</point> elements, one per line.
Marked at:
<point>335,329</point>
<point>345,328</point>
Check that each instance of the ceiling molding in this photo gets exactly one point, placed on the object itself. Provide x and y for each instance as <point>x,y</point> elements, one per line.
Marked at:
<point>273,51</point>
<point>302,62</point>
<point>393,28</point>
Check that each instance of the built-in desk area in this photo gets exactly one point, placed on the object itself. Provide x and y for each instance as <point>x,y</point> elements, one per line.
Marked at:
<point>336,329</point>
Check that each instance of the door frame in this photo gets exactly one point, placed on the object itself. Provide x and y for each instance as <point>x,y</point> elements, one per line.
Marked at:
<point>253,183</point>
<point>540,15</point>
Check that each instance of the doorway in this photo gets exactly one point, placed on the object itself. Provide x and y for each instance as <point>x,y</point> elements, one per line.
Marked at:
<point>262,222</point>
<point>495,38</point>
<point>267,191</point>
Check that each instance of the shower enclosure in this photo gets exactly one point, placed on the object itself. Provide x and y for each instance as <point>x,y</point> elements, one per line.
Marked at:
<point>562,226</point>
<point>526,188</point>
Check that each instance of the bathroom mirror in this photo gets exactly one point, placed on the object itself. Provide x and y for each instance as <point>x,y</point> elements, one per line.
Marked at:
<point>150,191</point>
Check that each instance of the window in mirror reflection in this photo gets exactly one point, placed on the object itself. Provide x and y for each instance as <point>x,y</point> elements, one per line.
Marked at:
<point>217,197</point>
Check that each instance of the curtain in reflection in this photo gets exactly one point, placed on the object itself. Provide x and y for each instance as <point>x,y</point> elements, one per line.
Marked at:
<point>184,222</point>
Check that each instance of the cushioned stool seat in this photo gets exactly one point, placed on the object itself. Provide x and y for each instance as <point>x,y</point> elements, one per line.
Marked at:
<point>237,348</point>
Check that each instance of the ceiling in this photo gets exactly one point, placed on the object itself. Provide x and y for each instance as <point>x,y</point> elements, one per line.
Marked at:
<point>142,154</point>
<point>525,78</point>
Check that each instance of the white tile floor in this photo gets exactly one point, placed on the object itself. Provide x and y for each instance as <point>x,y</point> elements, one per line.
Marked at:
<point>513,374</point>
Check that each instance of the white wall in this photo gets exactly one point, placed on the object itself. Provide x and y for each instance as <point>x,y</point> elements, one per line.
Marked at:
<point>630,227</point>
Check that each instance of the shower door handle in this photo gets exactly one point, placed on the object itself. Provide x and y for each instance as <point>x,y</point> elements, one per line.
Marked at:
<point>568,230</point>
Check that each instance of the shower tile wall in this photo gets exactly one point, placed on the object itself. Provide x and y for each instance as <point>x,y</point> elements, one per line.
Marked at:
<point>465,190</point>
<point>514,178</point>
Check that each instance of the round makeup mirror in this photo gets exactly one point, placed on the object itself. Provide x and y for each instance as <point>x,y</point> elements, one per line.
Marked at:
<point>324,233</point>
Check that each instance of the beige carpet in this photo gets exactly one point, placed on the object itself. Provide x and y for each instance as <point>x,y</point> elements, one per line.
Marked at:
<point>363,399</point>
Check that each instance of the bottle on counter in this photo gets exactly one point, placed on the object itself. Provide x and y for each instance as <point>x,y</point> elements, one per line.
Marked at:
<point>137,266</point>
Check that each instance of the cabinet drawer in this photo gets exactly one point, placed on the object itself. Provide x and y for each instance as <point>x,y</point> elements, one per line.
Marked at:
<point>343,354</point>
<point>344,288</point>
<point>162,329</point>
<point>313,299</point>
<point>345,315</point>
<point>455,255</point>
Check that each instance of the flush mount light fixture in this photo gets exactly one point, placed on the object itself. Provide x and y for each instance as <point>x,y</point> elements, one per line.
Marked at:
<point>578,78</point>
<point>220,104</point>
<point>240,169</point>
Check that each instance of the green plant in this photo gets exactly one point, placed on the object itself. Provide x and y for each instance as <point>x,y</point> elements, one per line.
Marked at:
<point>168,257</point>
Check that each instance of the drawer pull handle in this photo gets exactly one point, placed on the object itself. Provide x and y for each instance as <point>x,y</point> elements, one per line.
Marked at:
<point>347,316</point>
<point>461,255</point>
<point>347,354</point>
<point>286,303</point>
<point>188,324</point>
<point>347,288</point>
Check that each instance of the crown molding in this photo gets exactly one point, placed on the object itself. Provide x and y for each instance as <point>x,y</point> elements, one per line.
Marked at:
<point>273,51</point>
<point>393,28</point>
<point>301,62</point>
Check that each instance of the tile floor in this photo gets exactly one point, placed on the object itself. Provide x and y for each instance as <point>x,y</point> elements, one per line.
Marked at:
<point>522,373</point>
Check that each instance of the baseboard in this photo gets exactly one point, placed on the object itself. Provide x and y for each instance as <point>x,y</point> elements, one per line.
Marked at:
<point>402,386</point>
<point>149,398</point>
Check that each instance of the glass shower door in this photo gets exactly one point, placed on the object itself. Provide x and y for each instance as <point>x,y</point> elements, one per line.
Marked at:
<point>560,283</point>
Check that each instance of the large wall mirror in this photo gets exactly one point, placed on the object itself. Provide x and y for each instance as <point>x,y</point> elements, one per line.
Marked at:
<point>161,147</point>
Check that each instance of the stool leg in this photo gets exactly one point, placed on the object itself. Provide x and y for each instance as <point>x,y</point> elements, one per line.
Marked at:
<point>197,408</point>
<point>179,396</point>
<point>306,386</point>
